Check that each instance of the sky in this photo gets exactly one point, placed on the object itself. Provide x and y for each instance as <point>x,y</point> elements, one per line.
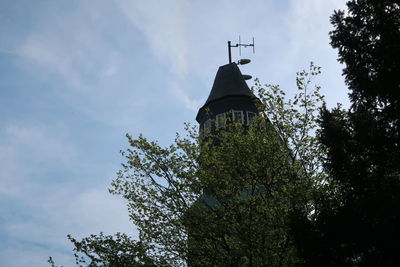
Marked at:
<point>77,75</point>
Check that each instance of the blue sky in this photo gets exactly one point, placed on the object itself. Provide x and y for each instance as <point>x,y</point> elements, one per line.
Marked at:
<point>76,76</point>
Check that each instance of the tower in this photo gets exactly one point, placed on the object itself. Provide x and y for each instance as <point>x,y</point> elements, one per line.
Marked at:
<point>230,99</point>
<point>245,177</point>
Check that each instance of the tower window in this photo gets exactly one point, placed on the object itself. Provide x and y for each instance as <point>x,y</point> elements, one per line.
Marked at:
<point>207,127</point>
<point>238,116</point>
<point>250,117</point>
<point>221,120</point>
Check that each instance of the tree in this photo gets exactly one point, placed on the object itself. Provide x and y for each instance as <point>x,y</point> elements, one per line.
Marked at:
<point>234,189</point>
<point>357,224</point>
<point>103,251</point>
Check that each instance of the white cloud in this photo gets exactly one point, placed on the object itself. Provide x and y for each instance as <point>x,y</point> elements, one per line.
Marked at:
<point>179,91</point>
<point>110,70</point>
<point>165,31</point>
<point>45,206</point>
<point>33,256</point>
<point>310,23</point>
<point>50,56</point>
<point>187,37</point>
<point>38,49</point>
<point>25,151</point>
<point>84,75</point>
<point>309,41</point>
<point>104,73</point>
<point>191,38</point>
<point>97,211</point>
<point>80,213</point>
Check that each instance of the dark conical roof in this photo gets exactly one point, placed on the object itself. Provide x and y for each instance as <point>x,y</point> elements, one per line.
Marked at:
<point>228,82</point>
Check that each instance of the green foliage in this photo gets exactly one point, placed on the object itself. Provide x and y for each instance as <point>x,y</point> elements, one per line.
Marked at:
<point>225,198</point>
<point>295,120</point>
<point>241,215</point>
<point>160,185</point>
<point>109,251</point>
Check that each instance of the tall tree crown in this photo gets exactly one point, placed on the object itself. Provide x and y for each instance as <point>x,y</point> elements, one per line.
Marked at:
<point>368,42</point>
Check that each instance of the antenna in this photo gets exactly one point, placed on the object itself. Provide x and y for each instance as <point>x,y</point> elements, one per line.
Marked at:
<point>240,48</point>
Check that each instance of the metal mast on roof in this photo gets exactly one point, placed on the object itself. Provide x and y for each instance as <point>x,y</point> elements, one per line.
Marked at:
<point>240,48</point>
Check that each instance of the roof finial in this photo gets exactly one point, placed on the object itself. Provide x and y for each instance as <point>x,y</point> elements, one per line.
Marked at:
<point>240,49</point>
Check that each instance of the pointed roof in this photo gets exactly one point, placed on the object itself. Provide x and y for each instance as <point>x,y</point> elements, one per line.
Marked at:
<point>228,82</point>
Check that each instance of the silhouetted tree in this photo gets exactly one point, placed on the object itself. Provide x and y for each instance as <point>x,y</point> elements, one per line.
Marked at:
<point>357,222</point>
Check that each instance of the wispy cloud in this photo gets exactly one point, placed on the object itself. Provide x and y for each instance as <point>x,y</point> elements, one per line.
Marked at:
<point>41,201</point>
<point>41,50</point>
<point>80,213</point>
<point>81,69</point>
<point>121,66</point>
<point>25,151</point>
<point>189,36</point>
<point>166,31</point>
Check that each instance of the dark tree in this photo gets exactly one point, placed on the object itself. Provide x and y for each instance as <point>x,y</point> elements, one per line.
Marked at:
<point>357,222</point>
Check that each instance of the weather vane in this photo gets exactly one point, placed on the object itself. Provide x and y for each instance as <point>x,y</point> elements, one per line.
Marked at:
<point>240,50</point>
